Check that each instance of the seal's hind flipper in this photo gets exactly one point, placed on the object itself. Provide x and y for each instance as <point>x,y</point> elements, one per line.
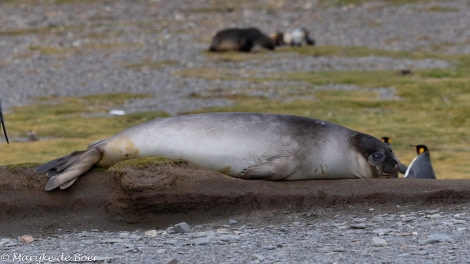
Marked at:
<point>59,164</point>
<point>64,171</point>
<point>275,168</point>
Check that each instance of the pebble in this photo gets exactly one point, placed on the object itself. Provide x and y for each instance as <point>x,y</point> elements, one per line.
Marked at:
<point>435,238</point>
<point>257,257</point>
<point>26,239</point>
<point>201,241</point>
<point>317,239</point>
<point>182,228</point>
<point>229,238</point>
<point>151,233</point>
<point>378,242</point>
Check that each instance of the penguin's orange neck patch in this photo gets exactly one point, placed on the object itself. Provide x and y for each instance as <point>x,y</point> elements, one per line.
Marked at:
<point>421,150</point>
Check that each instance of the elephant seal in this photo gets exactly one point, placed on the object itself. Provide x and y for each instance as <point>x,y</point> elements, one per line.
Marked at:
<point>240,39</point>
<point>244,145</point>
<point>421,166</point>
<point>2,123</point>
<point>402,167</point>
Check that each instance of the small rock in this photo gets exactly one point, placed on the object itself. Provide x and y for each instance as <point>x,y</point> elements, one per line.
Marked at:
<point>172,261</point>
<point>201,241</point>
<point>257,257</point>
<point>433,216</point>
<point>151,233</point>
<point>124,234</point>
<point>26,239</point>
<point>135,237</point>
<point>222,230</point>
<point>232,222</point>
<point>229,238</point>
<point>378,242</point>
<point>7,243</point>
<point>435,238</point>
<point>129,245</point>
<point>182,228</point>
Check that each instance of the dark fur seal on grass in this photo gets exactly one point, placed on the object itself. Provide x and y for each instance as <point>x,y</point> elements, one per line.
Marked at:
<point>243,145</point>
<point>240,39</point>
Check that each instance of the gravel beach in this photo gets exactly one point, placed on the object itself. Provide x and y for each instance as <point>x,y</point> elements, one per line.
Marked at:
<point>78,48</point>
<point>358,235</point>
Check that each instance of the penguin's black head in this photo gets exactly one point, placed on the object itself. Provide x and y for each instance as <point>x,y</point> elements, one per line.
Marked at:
<point>420,149</point>
<point>386,140</point>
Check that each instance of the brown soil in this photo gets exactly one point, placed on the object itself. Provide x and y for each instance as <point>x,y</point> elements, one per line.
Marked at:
<point>160,195</point>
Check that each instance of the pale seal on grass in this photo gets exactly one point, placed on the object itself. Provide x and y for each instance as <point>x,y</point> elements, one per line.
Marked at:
<point>243,145</point>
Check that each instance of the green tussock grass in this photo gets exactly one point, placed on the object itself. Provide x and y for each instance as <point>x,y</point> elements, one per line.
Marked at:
<point>146,162</point>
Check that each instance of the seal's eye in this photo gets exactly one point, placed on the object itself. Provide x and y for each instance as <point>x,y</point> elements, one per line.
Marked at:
<point>377,156</point>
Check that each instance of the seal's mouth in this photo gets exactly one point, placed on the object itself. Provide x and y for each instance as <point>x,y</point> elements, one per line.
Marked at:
<point>386,171</point>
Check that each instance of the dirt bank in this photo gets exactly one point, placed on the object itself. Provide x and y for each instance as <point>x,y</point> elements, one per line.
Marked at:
<point>160,195</point>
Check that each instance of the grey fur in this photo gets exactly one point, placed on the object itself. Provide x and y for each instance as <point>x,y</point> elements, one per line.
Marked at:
<point>245,145</point>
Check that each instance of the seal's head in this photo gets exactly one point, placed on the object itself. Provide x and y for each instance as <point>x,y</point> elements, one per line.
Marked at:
<point>378,154</point>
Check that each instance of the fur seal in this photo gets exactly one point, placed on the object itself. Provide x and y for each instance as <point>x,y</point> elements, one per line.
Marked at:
<point>2,123</point>
<point>421,166</point>
<point>240,39</point>
<point>402,167</point>
<point>244,145</point>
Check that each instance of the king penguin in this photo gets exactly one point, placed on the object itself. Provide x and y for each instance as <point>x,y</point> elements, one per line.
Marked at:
<point>402,167</point>
<point>421,166</point>
<point>3,123</point>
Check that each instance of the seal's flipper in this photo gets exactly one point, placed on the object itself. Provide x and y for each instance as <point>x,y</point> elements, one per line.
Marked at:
<point>65,171</point>
<point>275,168</point>
<point>402,168</point>
<point>59,164</point>
<point>3,124</point>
